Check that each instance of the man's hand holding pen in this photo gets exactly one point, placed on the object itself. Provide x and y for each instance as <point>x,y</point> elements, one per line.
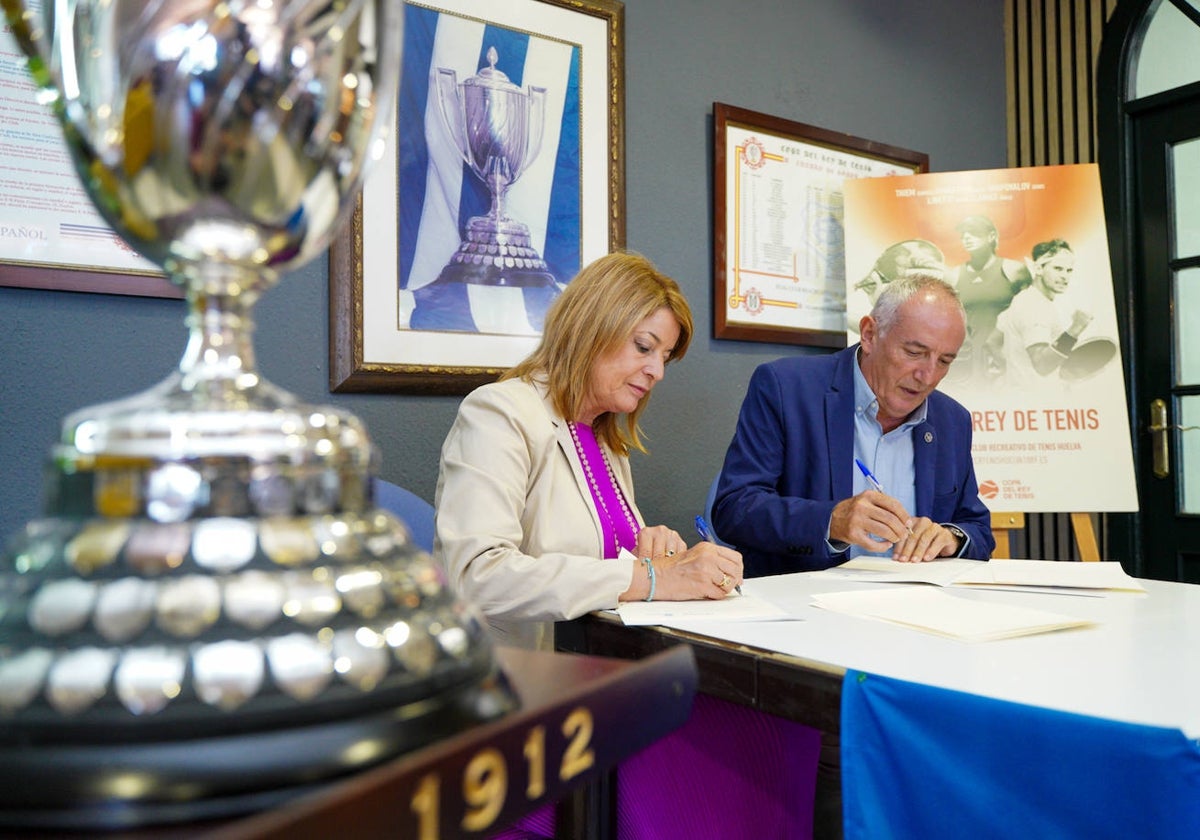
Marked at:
<point>876,522</point>
<point>872,520</point>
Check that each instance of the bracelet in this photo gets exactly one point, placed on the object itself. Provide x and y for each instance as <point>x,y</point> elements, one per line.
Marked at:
<point>650,572</point>
<point>1064,344</point>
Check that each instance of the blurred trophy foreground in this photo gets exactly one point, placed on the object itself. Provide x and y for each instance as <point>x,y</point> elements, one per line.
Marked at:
<point>212,614</point>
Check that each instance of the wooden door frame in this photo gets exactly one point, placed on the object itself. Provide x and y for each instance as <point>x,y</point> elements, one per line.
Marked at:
<point>1114,129</point>
<point>1116,114</point>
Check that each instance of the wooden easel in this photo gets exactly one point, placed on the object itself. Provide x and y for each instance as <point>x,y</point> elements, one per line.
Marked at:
<point>1002,523</point>
<point>1081,524</point>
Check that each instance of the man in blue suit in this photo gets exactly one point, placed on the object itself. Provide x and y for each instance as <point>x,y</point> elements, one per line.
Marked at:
<point>791,497</point>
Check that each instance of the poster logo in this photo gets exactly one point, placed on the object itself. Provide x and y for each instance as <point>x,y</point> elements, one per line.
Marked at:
<point>753,153</point>
<point>754,301</point>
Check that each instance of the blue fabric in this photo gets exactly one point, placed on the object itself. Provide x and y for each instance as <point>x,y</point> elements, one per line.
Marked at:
<point>415,512</point>
<point>929,763</point>
<point>447,306</point>
<point>412,153</point>
<point>792,459</point>
<point>563,252</point>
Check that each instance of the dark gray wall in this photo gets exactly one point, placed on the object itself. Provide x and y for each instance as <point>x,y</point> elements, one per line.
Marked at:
<point>919,74</point>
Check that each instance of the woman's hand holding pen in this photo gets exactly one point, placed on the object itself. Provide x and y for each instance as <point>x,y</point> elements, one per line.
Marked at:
<point>706,570</point>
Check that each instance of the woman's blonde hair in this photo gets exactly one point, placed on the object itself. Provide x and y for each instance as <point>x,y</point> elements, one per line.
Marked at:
<point>594,315</point>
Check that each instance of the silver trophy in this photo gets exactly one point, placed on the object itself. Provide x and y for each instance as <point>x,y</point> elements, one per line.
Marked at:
<point>496,128</point>
<point>212,614</point>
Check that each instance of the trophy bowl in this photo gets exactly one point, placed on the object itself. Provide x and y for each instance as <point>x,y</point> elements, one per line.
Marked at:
<point>212,615</point>
<point>496,129</point>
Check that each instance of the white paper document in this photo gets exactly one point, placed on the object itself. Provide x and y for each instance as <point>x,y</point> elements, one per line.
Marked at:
<point>1048,573</point>
<point>886,570</point>
<point>1025,575</point>
<point>734,608</point>
<point>935,611</point>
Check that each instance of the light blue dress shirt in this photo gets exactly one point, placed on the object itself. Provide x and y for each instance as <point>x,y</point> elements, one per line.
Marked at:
<point>889,456</point>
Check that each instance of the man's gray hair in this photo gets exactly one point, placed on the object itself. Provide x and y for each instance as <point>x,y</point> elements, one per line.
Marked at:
<point>897,293</point>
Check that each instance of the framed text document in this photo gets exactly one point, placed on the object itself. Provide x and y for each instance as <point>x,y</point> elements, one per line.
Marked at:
<point>778,239</point>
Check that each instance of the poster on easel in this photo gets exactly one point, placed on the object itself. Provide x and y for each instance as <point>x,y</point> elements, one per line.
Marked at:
<point>1040,370</point>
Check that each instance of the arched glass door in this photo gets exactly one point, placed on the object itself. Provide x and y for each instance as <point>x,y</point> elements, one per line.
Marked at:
<point>1149,106</point>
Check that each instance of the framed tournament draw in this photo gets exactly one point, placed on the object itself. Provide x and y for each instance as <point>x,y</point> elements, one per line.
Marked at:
<point>778,238</point>
<point>51,234</point>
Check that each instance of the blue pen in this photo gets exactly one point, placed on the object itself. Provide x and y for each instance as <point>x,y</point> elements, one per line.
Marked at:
<point>869,475</point>
<point>706,535</point>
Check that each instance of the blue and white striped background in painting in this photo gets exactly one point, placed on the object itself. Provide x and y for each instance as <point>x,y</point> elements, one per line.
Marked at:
<point>438,193</point>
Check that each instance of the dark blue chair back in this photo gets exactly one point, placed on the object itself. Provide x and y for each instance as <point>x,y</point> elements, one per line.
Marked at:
<point>416,513</point>
<point>708,517</point>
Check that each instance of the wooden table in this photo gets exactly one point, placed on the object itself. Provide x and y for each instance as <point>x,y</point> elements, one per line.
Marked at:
<point>796,688</point>
<point>579,717</point>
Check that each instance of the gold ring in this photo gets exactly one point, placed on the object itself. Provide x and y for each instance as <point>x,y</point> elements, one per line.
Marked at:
<point>670,552</point>
<point>724,584</point>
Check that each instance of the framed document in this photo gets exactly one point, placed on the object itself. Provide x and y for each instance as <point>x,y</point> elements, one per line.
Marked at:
<point>505,176</point>
<point>778,240</point>
<point>51,235</point>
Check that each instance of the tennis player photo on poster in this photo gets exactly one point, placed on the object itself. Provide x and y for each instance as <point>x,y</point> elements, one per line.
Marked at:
<point>1040,369</point>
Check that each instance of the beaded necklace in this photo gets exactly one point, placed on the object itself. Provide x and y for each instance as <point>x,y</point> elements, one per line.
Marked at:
<point>618,533</point>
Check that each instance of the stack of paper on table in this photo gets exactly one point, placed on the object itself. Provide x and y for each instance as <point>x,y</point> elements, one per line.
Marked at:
<point>885,570</point>
<point>734,608</point>
<point>933,611</point>
<point>1049,574</point>
<point>1024,575</point>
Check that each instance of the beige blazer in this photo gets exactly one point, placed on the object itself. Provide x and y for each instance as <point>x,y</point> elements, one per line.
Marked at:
<point>516,528</point>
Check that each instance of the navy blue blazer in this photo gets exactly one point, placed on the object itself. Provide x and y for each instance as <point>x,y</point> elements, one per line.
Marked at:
<point>792,459</point>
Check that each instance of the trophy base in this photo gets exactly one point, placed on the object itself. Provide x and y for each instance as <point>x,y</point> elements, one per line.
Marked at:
<point>488,274</point>
<point>124,785</point>
<point>497,252</point>
<point>214,616</point>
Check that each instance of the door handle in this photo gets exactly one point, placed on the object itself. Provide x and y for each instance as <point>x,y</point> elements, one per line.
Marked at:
<point>1159,446</point>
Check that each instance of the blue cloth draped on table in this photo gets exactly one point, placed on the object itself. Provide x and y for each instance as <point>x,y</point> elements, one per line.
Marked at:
<point>925,762</point>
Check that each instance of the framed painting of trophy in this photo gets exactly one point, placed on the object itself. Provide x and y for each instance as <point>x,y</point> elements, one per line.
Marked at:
<point>779,272</point>
<point>504,176</point>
